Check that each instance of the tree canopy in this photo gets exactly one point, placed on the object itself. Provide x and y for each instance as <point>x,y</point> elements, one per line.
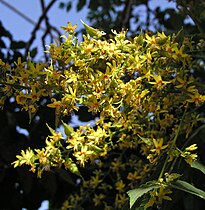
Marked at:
<point>141,83</point>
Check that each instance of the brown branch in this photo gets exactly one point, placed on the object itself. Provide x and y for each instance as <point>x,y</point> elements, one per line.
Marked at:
<point>25,17</point>
<point>42,17</point>
<point>196,10</point>
<point>123,19</point>
<point>49,30</point>
<point>127,12</point>
<point>46,32</point>
<point>148,16</point>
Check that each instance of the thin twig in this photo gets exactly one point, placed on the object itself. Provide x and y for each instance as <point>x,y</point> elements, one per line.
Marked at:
<point>127,12</point>
<point>49,31</point>
<point>148,16</point>
<point>42,17</point>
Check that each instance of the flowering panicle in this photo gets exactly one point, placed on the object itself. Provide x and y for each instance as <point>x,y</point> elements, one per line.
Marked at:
<point>142,91</point>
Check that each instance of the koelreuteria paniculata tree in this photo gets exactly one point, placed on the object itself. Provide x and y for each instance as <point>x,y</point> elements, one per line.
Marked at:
<point>145,97</point>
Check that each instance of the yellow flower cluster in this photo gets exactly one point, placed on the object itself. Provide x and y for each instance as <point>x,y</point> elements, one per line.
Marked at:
<point>140,88</point>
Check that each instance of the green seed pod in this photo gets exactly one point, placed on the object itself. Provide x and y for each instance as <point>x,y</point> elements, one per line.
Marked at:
<point>94,33</point>
<point>67,129</point>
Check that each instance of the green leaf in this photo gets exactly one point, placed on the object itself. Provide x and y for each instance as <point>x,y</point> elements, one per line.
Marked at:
<point>95,148</point>
<point>147,141</point>
<point>61,5</point>
<point>135,194</point>
<point>180,35</point>
<point>67,129</point>
<point>74,169</point>
<point>31,115</point>
<point>198,134</point>
<point>18,45</point>
<point>199,166</point>
<point>4,32</point>
<point>189,188</point>
<point>34,52</point>
<point>50,129</point>
<point>139,39</point>
<point>68,7</point>
<point>80,5</point>
<point>143,201</point>
<point>95,33</point>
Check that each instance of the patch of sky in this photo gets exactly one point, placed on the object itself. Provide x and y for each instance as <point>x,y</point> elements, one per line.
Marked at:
<point>12,99</point>
<point>22,131</point>
<point>150,116</point>
<point>75,122</point>
<point>37,118</point>
<point>17,109</point>
<point>44,205</point>
<point>43,102</point>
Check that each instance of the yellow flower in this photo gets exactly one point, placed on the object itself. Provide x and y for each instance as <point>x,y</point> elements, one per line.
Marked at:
<point>56,104</point>
<point>189,154</point>
<point>117,165</point>
<point>158,146</point>
<point>98,199</point>
<point>27,157</point>
<point>148,57</point>
<point>151,202</point>
<point>94,104</point>
<point>163,194</point>
<point>152,41</point>
<point>191,148</point>
<point>2,100</point>
<point>83,155</point>
<point>43,156</point>
<point>119,185</point>
<point>158,81</point>
<point>196,98</point>
<point>69,28</point>
<point>21,99</point>
<point>120,200</point>
<point>57,136</point>
<point>183,82</point>
<point>30,108</point>
<point>133,176</point>
<point>95,181</point>
<point>178,53</point>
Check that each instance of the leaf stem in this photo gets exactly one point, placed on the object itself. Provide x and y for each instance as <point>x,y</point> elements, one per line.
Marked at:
<point>172,146</point>
<point>14,85</point>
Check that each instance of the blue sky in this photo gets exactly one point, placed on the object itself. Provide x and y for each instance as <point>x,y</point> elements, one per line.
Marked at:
<point>21,29</point>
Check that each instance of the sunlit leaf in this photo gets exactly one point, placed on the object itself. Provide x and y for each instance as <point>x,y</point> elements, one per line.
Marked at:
<point>50,129</point>
<point>198,165</point>
<point>135,194</point>
<point>67,129</point>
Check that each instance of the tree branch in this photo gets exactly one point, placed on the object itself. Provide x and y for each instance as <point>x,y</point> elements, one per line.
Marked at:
<point>49,29</point>
<point>196,10</point>
<point>42,17</point>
